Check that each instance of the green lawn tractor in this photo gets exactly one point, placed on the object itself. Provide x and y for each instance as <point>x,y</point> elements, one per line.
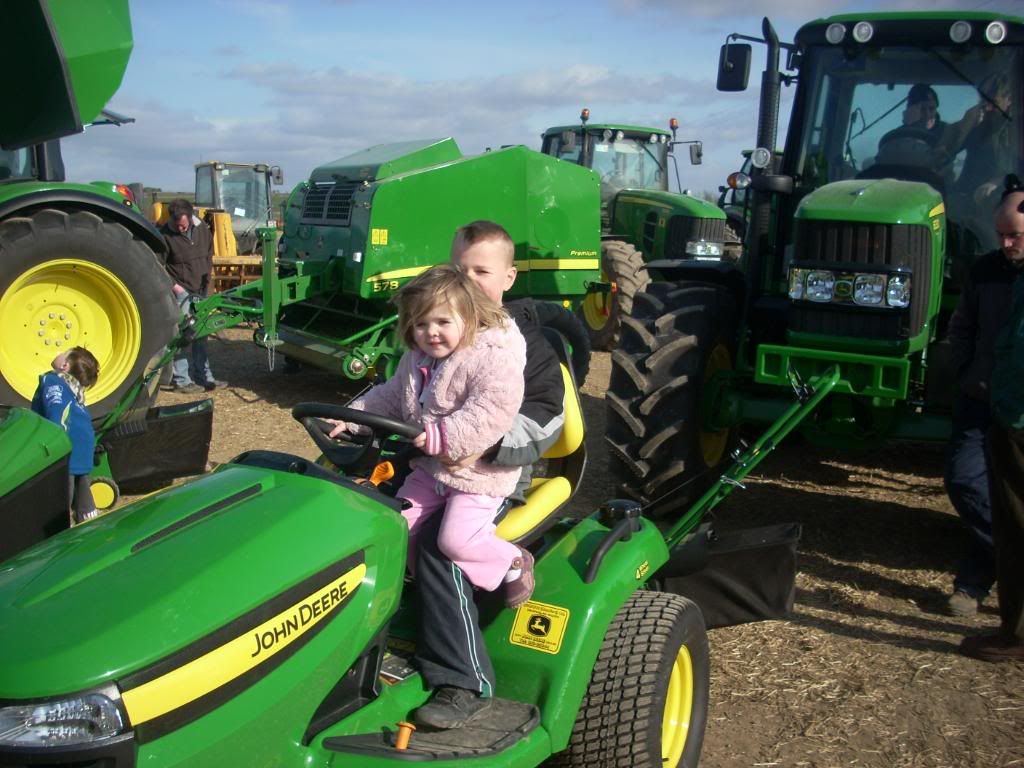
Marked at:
<point>858,236</point>
<point>261,615</point>
<point>79,264</point>
<point>363,225</point>
<point>641,219</point>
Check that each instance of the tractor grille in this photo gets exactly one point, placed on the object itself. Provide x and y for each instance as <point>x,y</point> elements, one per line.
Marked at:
<point>329,203</point>
<point>682,229</point>
<point>853,244</point>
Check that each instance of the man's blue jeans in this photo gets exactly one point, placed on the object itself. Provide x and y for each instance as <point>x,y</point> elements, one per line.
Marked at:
<point>191,364</point>
<point>967,483</point>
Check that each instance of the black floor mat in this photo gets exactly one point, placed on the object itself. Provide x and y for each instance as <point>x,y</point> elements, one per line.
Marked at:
<point>497,728</point>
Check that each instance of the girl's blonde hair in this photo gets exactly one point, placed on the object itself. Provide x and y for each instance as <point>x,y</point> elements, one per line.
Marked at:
<point>445,284</point>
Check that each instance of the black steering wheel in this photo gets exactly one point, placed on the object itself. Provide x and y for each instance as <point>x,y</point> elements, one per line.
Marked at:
<point>354,453</point>
<point>909,132</point>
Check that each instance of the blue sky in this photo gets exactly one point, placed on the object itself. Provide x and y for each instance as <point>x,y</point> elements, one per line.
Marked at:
<point>302,83</point>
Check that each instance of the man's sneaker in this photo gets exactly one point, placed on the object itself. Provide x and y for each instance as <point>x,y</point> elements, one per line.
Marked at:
<point>186,389</point>
<point>518,590</point>
<point>963,604</point>
<point>993,647</point>
<point>213,384</point>
<point>451,707</point>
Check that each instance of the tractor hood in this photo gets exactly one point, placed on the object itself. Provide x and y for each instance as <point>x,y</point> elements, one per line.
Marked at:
<point>63,60</point>
<point>232,567</point>
<point>873,201</point>
<point>383,160</point>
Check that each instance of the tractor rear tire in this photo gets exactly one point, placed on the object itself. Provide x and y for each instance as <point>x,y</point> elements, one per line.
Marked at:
<point>647,702</point>
<point>74,279</point>
<point>566,323</point>
<point>678,336</point>
<point>624,267</point>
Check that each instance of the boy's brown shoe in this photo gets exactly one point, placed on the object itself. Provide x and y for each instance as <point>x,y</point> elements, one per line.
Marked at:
<point>451,707</point>
<point>518,590</point>
<point>993,647</point>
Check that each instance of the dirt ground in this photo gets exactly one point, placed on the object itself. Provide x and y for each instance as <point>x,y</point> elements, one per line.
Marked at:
<point>864,673</point>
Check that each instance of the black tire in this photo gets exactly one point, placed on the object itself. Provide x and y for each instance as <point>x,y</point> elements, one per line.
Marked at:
<point>622,265</point>
<point>566,323</point>
<point>79,252</point>
<point>656,643</point>
<point>677,336</point>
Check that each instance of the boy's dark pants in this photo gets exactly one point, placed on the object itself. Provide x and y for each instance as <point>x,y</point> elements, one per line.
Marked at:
<point>450,648</point>
<point>967,483</point>
<point>1007,453</point>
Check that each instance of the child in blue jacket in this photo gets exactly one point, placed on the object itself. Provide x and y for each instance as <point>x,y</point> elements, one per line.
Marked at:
<point>60,398</point>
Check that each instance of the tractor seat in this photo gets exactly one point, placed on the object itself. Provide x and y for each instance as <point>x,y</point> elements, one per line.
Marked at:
<point>566,460</point>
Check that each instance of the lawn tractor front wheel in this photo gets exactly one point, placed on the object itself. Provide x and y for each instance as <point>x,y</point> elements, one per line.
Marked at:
<point>647,702</point>
<point>73,279</point>
<point>675,347</point>
<point>623,267</point>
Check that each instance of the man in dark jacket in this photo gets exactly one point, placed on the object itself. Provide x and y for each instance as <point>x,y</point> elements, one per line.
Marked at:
<point>982,312</point>
<point>1006,447</point>
<point>189,263</point>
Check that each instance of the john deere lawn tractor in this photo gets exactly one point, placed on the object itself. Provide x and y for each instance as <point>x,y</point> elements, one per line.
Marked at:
<point>363,225</point>
<point>640,218</point>
<point>858,236</point>
<point>260,615</point>
<point>78,262</point>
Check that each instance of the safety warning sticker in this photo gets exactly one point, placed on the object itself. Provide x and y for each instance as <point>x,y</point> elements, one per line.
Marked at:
<point>539,626</point>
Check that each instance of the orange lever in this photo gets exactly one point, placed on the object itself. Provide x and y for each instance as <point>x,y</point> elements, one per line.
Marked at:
<point>382,473</point>
<point>404,734</point>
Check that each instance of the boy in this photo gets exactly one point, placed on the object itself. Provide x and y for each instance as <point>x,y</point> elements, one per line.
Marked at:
<point>60,397</point>
<point>450,652</point>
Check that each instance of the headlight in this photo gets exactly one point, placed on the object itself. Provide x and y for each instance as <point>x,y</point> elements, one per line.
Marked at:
<point>71,720</point>
<point>898,292</point>
<point>869,289</point>
<point>819,285</point>
<point>704,248</point>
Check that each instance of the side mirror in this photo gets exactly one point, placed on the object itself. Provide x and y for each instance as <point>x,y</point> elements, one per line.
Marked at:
<point>568,140</point>
<point>734,67</point>
<point>276,175</point>
<point>696,153</point>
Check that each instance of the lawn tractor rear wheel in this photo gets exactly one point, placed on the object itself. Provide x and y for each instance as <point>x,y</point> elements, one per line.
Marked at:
<point>74,279</point>
<point>646,705</point>
<point>623,267</point>
<point>679,336</point>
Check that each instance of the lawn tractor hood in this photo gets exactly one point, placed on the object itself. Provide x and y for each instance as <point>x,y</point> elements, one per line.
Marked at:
<point>215,583</point>
<point>867,265</point>
<point>63,60</point>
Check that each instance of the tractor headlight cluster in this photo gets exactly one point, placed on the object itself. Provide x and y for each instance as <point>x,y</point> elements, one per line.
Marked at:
<point>887,290</point>
<point>69,720</point>
<point>704,249</point>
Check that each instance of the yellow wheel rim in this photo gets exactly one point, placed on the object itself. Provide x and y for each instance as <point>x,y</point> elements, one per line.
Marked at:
<point>675,722</point>
<point>68,303</point>
<point>713,444</point>
<point>104,492</point>
<point>597,307</point>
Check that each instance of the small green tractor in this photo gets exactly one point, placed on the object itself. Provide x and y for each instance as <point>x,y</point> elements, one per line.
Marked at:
<point>641,219</point>
<point>79,263</point>
<point>856,242</point>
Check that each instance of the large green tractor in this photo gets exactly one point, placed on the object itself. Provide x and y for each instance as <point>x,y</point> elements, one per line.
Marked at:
<point>363,225</point>
<point>260,615</point>
<point>641,219</point>
<point>79,263</point>
<point>858,235</point>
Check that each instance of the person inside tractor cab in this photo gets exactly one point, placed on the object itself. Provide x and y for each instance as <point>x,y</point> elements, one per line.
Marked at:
<point>922,111</point>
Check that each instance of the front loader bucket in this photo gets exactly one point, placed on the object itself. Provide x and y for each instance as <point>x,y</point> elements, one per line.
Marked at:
<point>63,60</point>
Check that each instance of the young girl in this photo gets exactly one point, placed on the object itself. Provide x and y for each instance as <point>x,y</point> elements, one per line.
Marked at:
<point>462,379</point>
<point>60,397</point>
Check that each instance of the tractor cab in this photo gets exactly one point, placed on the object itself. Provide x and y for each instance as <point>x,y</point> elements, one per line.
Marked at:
<point>242,190</point>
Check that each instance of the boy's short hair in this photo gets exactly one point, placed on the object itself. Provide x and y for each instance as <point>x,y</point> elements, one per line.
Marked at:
<point>180,207</point>
<point>83,365</point>
<point>445,283</point>
<point>921,92</point>
<point>480,231</point>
